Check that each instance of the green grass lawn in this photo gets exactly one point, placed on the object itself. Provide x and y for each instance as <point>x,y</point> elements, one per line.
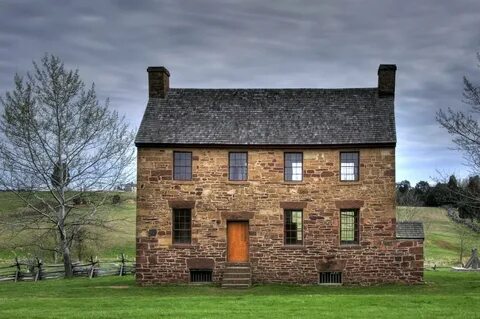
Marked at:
<point>444,295</point>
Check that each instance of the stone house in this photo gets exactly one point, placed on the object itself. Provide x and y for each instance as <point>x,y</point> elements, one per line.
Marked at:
<point>241,186</point>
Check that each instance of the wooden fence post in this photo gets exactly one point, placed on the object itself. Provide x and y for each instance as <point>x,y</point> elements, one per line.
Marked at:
<point>17,269</point>
<point>92,267</point>
<point>122,266</point>
<point>38,275</point>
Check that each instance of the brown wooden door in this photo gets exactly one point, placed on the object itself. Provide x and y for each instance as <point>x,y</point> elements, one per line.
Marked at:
<point>237,239</point>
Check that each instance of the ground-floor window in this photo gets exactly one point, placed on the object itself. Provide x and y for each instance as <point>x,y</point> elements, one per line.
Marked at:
<point>349,225</point>
<point>293,227</point>
<point>182,226</point>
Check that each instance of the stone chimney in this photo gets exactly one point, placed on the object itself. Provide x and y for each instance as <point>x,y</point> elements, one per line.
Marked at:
<point>386,79</point>
<point>158,81</point>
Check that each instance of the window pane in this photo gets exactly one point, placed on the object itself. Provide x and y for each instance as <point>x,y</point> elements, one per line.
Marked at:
<point>238,169</point>
<point>293,227</point>
<point>182,165</point>
<point>293,167</point>
<point>182,232</point>
<point>349,227</point>
<point>349,166</point>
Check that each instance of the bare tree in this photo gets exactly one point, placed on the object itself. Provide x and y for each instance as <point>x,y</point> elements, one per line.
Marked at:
<point>411,206</point>
<point>57,144</point>
<point>466,230</point>
<point>464,128</point>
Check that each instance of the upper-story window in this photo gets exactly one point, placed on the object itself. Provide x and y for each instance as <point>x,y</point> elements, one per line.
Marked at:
<point>182,166</point>
<point>293,166</point>
<point>349,166</point>
<point>238,166</point>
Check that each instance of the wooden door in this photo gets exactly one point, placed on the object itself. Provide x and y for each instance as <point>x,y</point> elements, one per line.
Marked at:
<point>237,241</point>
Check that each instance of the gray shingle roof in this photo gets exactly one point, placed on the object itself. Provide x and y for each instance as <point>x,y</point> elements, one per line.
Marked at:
<point>269,117</point>
<point>410,230</point>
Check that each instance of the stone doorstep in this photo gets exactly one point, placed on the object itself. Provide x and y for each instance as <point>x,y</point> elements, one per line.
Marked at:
<point>236,286</point>
<point>237,275</point>
<point>237,269</point>
<point>235,264</point>
<point>236,281</point>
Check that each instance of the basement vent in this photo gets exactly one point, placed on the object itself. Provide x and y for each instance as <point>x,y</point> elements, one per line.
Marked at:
<point>330,278</point>
<point>198,275</point>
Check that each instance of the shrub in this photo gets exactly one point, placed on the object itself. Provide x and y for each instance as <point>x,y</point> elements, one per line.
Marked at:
<point>116,199</point>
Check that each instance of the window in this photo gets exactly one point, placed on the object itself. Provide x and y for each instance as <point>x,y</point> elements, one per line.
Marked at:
<point>330,278</point>
<point>293,166</point>
<point>182,166</point>
<point>349,226</point>
<point>199,275</point>
<point>293,227</point>
<point>349,166</point>
<point>182,226</point>
<point>237,166</point>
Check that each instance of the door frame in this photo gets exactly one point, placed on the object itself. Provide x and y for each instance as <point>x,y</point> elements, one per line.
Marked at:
<point>248,236</point>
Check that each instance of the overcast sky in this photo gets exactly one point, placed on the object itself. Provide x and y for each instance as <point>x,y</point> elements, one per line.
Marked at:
<point>210,44</point>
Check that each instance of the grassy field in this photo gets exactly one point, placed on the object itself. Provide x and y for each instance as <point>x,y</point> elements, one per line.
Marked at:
<point>443,237</point>
<point>442,245</point>
<point>445,295</point>
<point>110,244</point>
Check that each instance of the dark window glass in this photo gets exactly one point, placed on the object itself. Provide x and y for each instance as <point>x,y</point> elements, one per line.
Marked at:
<point>349,166</point>
<point>330,278</point>
<point>182,166</point>
<point>238,166</point>
<point>293,227</point>
<point>197,275</point>
<point>182,226</point>
<point>349,226</point>
<point>293,166</point>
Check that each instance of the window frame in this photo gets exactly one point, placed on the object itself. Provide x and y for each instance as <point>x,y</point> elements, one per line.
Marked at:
<point>229,165</point>
<point>174,241</point>
<point>174,177</point>
<point>285,168</point>
<point>285,212</point>
<point>357,176</point>
<point>356,230</point>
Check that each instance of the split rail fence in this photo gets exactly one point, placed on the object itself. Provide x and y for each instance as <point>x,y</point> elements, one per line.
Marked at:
<point>35,270</point>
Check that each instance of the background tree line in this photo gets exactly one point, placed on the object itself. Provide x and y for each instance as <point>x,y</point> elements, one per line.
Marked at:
<point>462,195</point>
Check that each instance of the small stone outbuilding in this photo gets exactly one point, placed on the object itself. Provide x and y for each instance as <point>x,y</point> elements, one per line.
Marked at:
<point>241,186</point>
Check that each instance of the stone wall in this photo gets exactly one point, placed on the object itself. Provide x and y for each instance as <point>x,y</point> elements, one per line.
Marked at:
<point>379,257</point>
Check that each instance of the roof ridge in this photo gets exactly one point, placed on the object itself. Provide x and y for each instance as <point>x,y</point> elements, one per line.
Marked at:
<point>275,89</point>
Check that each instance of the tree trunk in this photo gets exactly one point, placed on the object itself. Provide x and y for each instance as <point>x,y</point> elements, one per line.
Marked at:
<point>461,247</point>
<point>67,261</point>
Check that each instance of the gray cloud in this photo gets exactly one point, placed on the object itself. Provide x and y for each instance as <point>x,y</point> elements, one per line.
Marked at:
<point>262,44</point>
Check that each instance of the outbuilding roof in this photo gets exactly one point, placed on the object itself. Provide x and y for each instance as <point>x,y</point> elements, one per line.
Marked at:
<point>410,230</point>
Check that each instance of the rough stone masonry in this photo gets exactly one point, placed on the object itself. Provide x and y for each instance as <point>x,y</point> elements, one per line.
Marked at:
<point>266,123</point>
<point>379,257</point>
